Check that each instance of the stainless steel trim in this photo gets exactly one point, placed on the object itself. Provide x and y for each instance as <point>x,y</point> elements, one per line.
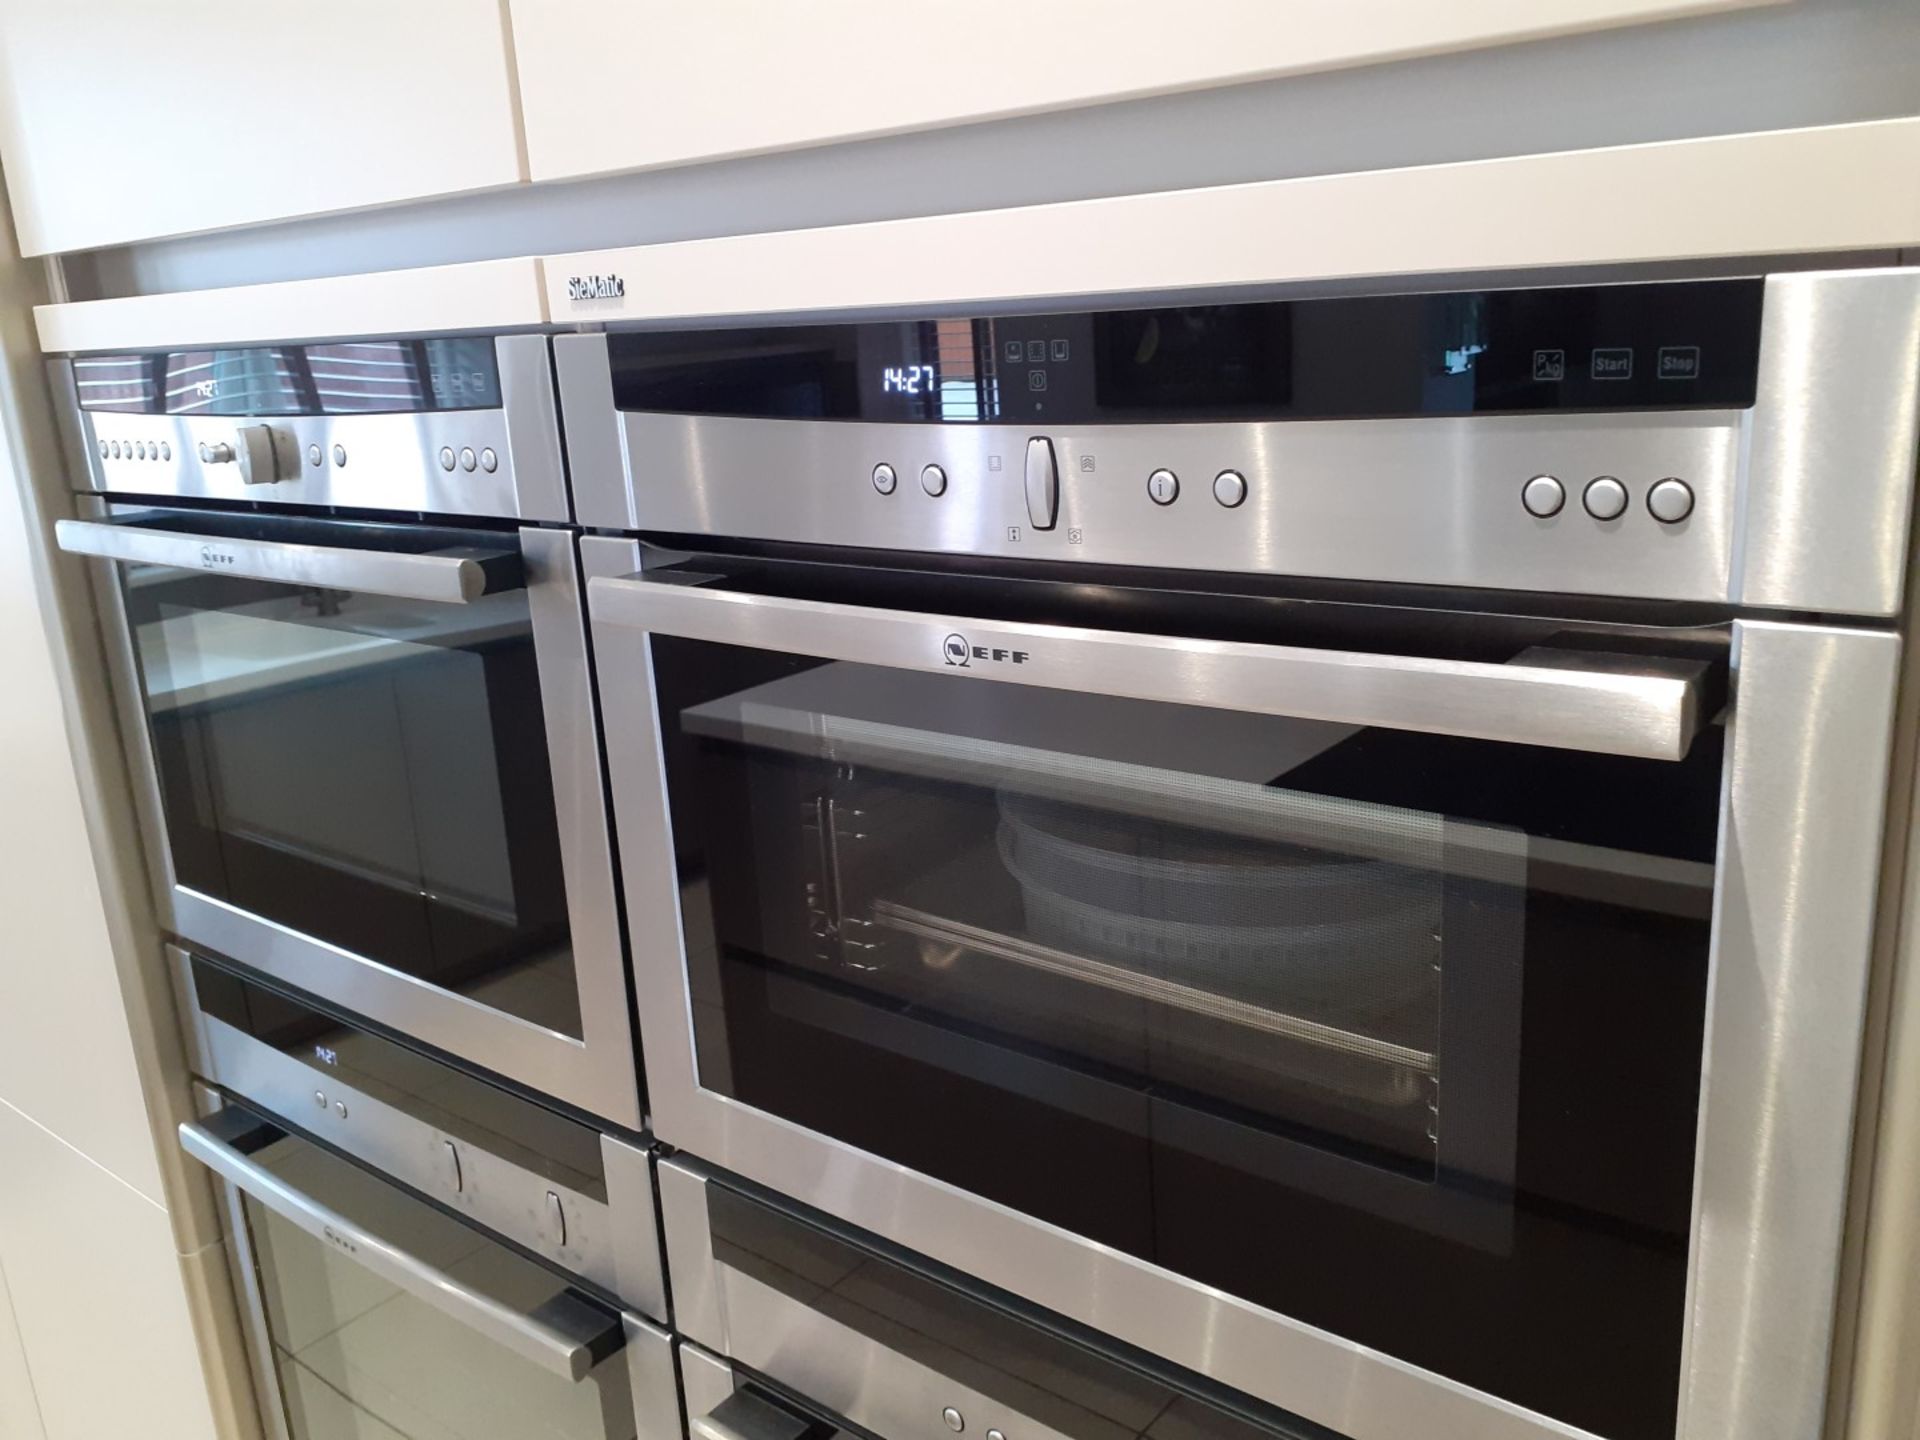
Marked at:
<point>746,1415</point>
<point>1830,444</point>
<point>706,1379</point>
<point>608,1082</point>
<point>1428,501</point>
<point>596,441</point>
<point>562,1337</point>
<point>244,1268</point>
<point>688,1239</point>
<point>652,1378</point>
<point>532,457</point>
<point>1800,841</point>
<point>448,579</point>
<point>1652,712</point>
<point>640,1272</point>
<point>1801,815</point>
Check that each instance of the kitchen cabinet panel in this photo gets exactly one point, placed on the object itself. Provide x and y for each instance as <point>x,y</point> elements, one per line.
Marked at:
<point>124,120</point>
<point>612,85</point>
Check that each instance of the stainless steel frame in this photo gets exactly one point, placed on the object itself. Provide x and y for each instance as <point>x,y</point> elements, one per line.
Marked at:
<point>1800,836</point>
<point>1801,501</point>
<point>391,461</point>
<point>566,1338</point>
<point>596,1072</point>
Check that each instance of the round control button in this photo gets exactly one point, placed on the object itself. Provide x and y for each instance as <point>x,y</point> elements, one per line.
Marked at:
<point>467,458</point>
<point>320,1098</point>
<point>340,1108</point>
<point>166,450</point>
<point>140,450</point>
<point>313,454</point>
<point>996,1434</point>
<point>1543,496</point>
<point>104,450</point>
<point>446,457</point>
<point>116,450</point>
<point>339,454</point>
<point>489,461</point>
<point>933,480</point>
<point>884,479</point>
<point>1230,488</point>
<point>955,1421</point>
<point>1164,487</point>
<point>1605,498</point>
<point>1670,501</point>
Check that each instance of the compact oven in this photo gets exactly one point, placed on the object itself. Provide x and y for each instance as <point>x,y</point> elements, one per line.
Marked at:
<point>421,1252</point>
<point>346,625</point>
<point>792,1328</point>
<point>1333,841</point>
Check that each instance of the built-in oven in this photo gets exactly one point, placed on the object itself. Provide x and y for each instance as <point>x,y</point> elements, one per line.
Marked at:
<point>421,1252</point>
<point>793,1328</point>
<point>1333,841</point>
<point>345,620</point>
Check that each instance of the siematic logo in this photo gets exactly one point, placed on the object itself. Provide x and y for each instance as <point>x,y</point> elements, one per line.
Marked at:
<point>595,287</point>
<point>960,653</point>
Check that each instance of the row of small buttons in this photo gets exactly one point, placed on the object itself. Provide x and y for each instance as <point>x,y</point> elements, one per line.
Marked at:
<point>135,450</point>
<point>1669,501</point>
<point>314,455</point>
<point>1229,488</point>
<point>933,479</point>
<point>466,460</point>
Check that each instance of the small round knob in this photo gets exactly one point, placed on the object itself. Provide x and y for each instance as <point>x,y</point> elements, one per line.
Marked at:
<point>1543,496</point>
<point>884,479</point>
<point>956,1422</point>
<point>217,452</point>
<point>1670,501</point>
<point>1230,488</point>
<point>1605,498</point>
<point>933,480</point>
<point>1164,487</point>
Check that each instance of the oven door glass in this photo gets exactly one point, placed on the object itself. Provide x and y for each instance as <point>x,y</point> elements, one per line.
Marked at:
<point>1394,1033</point>
<point>365,770</point>
<point>468,1340</point>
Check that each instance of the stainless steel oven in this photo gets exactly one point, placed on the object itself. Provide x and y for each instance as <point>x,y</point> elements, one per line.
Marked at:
<point>420,1252</point>
<point>1333,841</point>
<point>794,1329</point>
<point>345,617</point>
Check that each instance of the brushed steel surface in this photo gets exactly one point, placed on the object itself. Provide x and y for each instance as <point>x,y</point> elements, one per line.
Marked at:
<point>1795,888</point>
<point>1829,463</point>
<point>1654,713</point>
<point>535,465</point>
<point>705,1378</point>
<point>653,1379</point>
<point>1801,825</point>
<point>1433,501</point>
<point>596,454</point>
<point>445,579</point>
<point>559,1338</point>
<point>635,1238</point>
<point>688,1240</point>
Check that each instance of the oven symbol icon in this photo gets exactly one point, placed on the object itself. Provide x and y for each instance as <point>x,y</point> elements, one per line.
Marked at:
<point>955,650</point>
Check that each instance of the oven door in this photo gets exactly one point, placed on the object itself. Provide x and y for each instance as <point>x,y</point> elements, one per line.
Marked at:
<point>1407,1036</point>
<point>374,775</point>
<point>377,1315</point>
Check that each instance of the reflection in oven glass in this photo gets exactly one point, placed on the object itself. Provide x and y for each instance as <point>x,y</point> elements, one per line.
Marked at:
<point>371,773</point>
<point>1394,1033</point>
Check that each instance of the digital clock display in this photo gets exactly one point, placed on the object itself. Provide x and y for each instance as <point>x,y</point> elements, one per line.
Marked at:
<point>907,380</point>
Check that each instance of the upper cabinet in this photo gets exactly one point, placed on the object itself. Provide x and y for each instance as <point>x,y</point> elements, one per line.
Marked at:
<point>611,85</point>
<point>127,119</point>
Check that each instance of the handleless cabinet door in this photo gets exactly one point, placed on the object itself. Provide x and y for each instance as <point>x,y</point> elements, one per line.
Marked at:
<point>124,120</point>
<point>613,85</point>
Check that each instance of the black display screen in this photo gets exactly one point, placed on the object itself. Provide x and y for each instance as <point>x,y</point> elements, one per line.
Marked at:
<point>354,377</point>
<point>1679,345</point>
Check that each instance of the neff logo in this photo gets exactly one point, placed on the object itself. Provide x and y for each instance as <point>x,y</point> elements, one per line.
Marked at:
<point>595,287</point>
<point>957,651</point>
<point>212,559</point>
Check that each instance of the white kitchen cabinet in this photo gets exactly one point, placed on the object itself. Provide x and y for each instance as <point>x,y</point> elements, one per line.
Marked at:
<point>125,119</point>
<point>611,85</point>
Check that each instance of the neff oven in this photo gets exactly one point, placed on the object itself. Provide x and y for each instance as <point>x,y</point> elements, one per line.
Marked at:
<point>345,618</point>
<point>420,1252</point>
<point>1333,841</point>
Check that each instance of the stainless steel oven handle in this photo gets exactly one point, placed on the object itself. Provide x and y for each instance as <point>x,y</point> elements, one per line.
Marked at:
<point>451,579</point>
<point>1614,705</point>
<point>745,1415</point>
<point>567,1336</point>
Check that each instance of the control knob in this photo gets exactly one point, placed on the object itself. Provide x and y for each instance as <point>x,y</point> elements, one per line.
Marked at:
<point>264,455</point>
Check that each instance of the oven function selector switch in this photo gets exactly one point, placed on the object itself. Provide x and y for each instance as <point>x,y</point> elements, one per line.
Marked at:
<point>1043,484</point>
<point>1230,488</point>
<point>1543,496</point>
<point>933,480</point>
<point>1163,486</point>
<point>1670,501</point>
<point>553,1220</point>
<point>264,456</point>
<point>450,1175</point>
<point>884,479</point>
<point>1605,498</point>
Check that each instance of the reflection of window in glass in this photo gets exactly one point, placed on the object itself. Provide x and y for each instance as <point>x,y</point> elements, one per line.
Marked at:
<point>370,375</point>
<point>116,382</point>
<point>234,382</point>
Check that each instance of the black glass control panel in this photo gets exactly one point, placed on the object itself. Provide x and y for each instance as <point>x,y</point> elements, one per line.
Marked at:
<point>1672,345</point>
<point>354,377</point>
